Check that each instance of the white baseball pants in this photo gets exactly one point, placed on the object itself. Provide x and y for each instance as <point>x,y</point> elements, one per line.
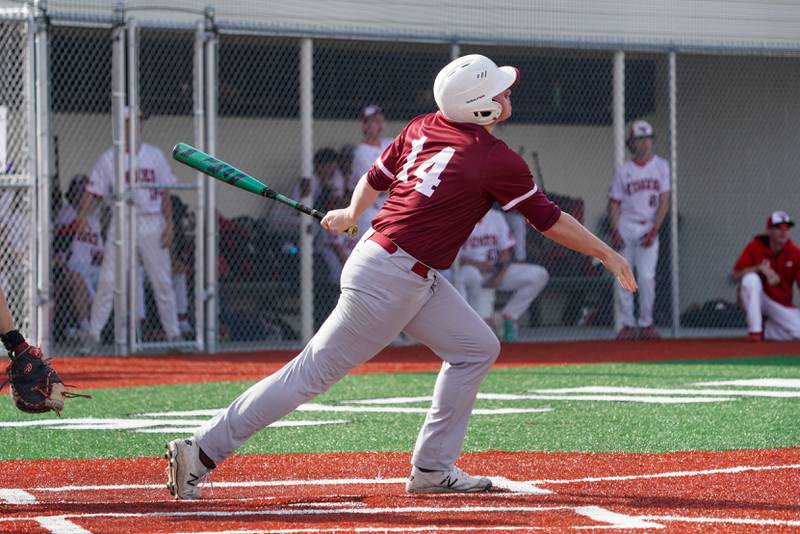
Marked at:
<point>643,260</point>
<point>782,322</point>
<point>380,297</point>
<point>157,265</point>
<point>525,280</point>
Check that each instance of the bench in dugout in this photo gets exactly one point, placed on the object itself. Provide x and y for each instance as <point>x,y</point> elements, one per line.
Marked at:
<point>580,291</point>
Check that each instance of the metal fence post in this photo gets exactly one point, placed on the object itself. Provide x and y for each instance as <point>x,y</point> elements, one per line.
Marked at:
<point>673,159</point>
<point>211,291</point>
<point>119,217</point>
<point>199,119</point>
<point>43,174</point>
<point>132,149</point>
<point>618,126</point>
<point>306,170</point>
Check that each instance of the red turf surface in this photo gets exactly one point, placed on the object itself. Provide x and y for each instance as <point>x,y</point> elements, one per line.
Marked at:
<point>111,372</point>
<point>758,496</point>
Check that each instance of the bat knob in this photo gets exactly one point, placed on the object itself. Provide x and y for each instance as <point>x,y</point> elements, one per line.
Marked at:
<point>352,231</point>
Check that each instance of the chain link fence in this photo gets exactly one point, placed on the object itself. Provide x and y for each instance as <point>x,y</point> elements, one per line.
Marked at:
<point>295,112</point>
<point>17,194</point>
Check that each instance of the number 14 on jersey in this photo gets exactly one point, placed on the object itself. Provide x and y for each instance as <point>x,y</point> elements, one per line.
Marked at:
<point>429,170</point>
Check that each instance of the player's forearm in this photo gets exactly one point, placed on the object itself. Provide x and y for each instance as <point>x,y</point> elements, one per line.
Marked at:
<point>6,321</point>
<point>87,204</point>
<point>570,233</point>
<point>363,197</point>
<point>663,209</point>
<point>613,213</point>
<point>166,208</point>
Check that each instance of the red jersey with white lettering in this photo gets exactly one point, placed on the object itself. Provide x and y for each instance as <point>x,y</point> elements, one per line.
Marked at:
<point>786,263</point>
<point>638,187</point>
<point>442,178</point>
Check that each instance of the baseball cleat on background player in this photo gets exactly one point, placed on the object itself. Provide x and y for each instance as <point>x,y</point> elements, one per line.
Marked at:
<point>453,481</point>
<point>185,471</point>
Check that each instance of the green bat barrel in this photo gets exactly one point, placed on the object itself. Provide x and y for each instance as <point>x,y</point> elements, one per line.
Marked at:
<point>205,163</point>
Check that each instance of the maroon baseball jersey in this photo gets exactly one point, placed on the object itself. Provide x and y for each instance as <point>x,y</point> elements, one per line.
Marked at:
<point>442,178</point>
<point>786,263</point>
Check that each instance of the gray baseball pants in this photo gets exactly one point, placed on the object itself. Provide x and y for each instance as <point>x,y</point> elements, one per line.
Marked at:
<point>380,297</point>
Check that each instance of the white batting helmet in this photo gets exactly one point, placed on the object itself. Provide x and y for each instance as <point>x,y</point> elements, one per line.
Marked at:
<point>464,89</point>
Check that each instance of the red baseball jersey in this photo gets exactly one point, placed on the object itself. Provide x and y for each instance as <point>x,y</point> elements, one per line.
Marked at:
<point>442,178</point>
<point>786,263</point>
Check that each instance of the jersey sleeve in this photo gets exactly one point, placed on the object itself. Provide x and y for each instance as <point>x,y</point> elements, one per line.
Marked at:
<point>507,179</point>
<point>747,258</point>
<point>383,171</point>
<point>99,182</point>
<point>615,190</point>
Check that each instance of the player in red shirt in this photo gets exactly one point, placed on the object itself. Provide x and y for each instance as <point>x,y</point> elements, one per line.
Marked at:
<point>443,173</point>
<point>767,270</point>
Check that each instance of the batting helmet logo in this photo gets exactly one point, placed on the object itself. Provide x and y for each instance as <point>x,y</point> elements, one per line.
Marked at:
<point>465,87</point>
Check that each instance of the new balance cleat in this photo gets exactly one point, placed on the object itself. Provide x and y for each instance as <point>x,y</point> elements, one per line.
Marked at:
<point>185,471</point>
<point>453,481</point>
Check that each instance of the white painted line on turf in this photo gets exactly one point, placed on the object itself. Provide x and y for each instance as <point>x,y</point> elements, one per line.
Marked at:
<point>16,496</point>
<point>317,511</point>
<point>649,399</point>
<point>728,520</point>
<point>669,391</point>
<point>61,525</point>
<point>432,528</point>
<point>310,407</point>
<point>328,504</point>
<point>726,470</point>
<point>614,519</point>
<point>515,486</point>
<point>755,382</point>
<point>137,425</point>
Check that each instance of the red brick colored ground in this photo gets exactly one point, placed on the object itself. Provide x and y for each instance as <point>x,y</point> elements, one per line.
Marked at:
<point>674,490</point>
<point>112,372</point>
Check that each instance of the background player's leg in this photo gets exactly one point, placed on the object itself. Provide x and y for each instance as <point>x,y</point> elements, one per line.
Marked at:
<point>624,298</point>
<point>470,285</point>
<point>158,266</point>
<point>526,281</point>
<point>750,296</point>
<point>782,322</point>
<point>370,313</point>
<point>103,297</point>
<point>646,259</point>
<point>458,335</point>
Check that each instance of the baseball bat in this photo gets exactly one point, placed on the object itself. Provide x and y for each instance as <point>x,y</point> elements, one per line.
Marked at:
<point>216,168</point>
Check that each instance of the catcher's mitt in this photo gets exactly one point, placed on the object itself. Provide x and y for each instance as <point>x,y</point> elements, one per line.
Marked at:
<point>35,386</point>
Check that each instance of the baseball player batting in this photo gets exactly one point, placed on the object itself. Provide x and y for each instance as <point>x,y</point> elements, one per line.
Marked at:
<point>638,202</point>
<point>444,171</point>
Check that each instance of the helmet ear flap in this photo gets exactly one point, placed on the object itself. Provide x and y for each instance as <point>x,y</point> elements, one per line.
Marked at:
<point>488,114</point>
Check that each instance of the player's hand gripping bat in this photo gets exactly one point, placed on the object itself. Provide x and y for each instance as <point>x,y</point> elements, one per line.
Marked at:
<point>199,160</point>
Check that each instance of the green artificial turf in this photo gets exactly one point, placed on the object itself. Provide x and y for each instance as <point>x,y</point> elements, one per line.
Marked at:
<point>592,426</point>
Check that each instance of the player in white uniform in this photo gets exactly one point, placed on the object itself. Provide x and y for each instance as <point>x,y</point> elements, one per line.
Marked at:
<point>364,155</point>
<point>154,235</point>
<point>84,255</point>
<point>486,266</point>
<point>638,202</point>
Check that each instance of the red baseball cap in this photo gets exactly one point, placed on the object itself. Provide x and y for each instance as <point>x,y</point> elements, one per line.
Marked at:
<point>778,218</point>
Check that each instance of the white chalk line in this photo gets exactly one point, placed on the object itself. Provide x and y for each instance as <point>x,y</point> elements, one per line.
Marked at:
<point>726,470</point>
